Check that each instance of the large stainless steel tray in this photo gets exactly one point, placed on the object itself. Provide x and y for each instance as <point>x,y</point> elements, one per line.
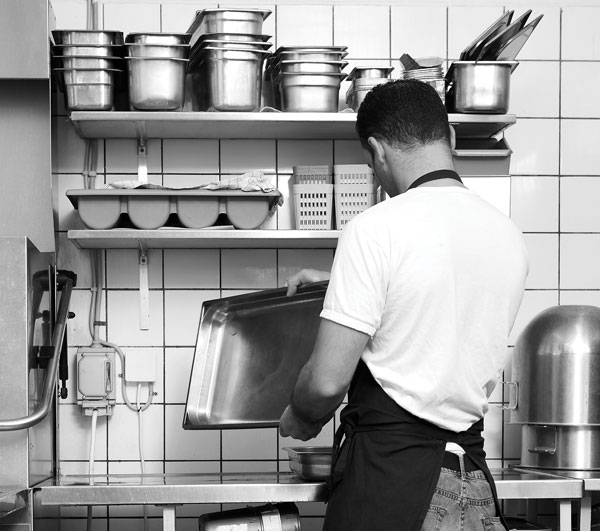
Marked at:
<point>249,352</point>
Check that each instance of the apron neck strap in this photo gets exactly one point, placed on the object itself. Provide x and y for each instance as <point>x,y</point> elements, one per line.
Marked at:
<point>435,176</point>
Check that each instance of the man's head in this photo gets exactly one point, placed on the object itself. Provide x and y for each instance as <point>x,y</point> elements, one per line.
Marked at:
<point>404,113</point>
<point>403,128</point>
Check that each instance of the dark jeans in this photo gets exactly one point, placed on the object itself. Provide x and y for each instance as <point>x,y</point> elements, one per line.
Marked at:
<point>462,501</point>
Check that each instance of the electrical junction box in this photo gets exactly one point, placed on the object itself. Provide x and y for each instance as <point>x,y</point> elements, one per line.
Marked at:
<point>140,366</point>
<point>96,381</point>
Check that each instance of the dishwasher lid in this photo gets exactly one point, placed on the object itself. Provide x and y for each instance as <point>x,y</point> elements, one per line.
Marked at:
<point>249,351</point>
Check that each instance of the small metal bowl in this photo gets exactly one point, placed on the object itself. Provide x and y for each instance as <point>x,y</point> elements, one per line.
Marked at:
<point>84,37</point>
<point>158,38</point>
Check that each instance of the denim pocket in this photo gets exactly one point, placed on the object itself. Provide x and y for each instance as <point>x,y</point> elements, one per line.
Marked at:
<point>433,518</point>
<point>492,523</point>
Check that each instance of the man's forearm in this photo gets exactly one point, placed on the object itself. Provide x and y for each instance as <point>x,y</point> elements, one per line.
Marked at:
<point>310,404</point>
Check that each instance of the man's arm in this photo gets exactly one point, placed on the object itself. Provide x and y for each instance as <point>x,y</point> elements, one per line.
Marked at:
<point>323,381</point>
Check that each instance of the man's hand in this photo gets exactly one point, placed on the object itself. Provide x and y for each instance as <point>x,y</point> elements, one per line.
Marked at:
<point>291,425</point>
<point>304,277</point>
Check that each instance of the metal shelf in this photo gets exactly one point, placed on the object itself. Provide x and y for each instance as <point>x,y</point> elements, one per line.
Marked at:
<point>203,239</point>
<point>252,125</point>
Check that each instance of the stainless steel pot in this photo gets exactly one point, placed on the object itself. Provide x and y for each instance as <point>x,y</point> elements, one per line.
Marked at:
<point>479,87</point>
<point>228,80</point>
<point>556,389</point>
<point>156,83</point>
<point>303,92</point>
<point>272,517</point>
<point>561,447</point>
<point>556,368</point>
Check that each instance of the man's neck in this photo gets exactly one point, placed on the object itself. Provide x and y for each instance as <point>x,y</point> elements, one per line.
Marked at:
<point>424,161</point>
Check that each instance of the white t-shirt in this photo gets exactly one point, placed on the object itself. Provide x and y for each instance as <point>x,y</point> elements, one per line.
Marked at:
<point>435,276</point>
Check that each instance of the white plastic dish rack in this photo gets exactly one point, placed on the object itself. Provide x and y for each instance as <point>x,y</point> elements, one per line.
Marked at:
<point>313,206</point>
<point>150,209</point>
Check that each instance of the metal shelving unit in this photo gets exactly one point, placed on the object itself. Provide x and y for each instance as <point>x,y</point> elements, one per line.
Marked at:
<point>204,239</point>
<point>235,125</point>
<point>239,125</point>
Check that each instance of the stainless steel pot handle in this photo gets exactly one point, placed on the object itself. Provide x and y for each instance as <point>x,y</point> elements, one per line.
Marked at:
<point>49,389</point>
<point>512,406</point>
<point>549,450</point>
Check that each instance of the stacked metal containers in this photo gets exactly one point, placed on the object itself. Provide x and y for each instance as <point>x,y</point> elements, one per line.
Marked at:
<point>227,57</point>
<point>362,80</point>
<point>430,70</point>
<point>88,67</point>
<point>556,389</point>
<point>305,78</point>
<point>157,66</point>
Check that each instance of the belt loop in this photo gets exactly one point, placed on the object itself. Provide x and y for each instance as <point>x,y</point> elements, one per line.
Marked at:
<point>461,460</point>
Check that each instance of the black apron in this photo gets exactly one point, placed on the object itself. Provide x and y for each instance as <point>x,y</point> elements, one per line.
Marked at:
<point>384,474</point>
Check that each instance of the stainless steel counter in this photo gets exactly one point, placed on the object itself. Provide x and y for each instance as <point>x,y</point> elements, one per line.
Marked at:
<point>178,489</point>
<point>169,490</point>
<point>590,481</point>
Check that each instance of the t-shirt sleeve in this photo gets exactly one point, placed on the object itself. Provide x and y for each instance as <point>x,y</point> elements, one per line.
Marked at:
<point>357,289</point>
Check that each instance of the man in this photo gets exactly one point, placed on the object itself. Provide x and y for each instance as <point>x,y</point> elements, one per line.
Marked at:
<point>423,293</point>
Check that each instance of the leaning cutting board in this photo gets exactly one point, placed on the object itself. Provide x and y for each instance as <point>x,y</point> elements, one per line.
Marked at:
<point>471,52</point>
<point>249,352</point>
<point>493,45</point>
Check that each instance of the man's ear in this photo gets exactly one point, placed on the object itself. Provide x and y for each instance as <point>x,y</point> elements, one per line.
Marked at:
<point>452,137</point>
<point>377,149</point>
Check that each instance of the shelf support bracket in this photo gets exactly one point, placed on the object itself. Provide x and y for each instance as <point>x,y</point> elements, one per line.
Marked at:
<point>144,291</point>
<point>140,128</point>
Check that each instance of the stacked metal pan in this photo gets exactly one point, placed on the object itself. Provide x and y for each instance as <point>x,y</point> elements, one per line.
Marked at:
<point>157,65</point>
<point>226,59</point>
<point>362,80</point>
<point>88,67</point>
<point>305,78</point>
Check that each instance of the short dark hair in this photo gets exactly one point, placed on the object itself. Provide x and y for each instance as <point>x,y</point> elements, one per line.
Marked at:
<point>405,113</point>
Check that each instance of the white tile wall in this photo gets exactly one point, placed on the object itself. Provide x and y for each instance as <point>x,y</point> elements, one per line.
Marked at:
<point>298,26</point>
<point>410,23</point>
<point>364,29</point>
<point>551,197</point>
<point>580,40</point>
<point>578,206</point>
<point>579,142</point>
<point>578,81</point>
<point>534,203</point>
